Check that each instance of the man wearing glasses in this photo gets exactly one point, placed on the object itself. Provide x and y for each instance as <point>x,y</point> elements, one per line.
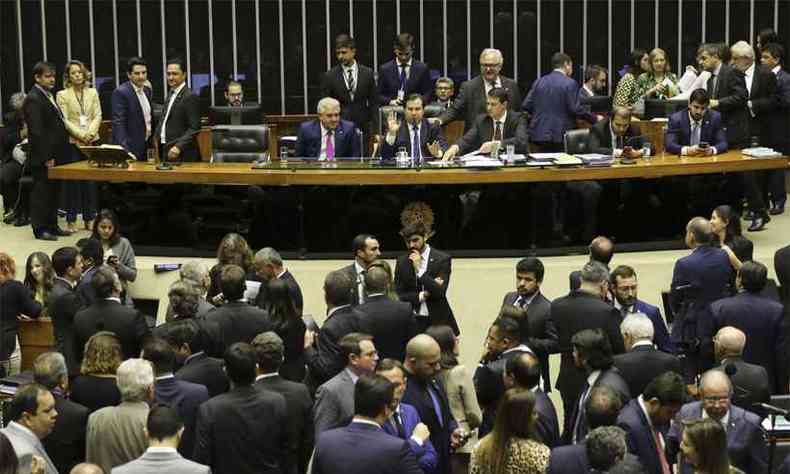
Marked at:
<point>471,101</point>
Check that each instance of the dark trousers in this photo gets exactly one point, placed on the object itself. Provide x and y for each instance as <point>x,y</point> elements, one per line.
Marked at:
<point>753,190</point>
<point>9,183</point>
<point>43,200</point>
<point>80,197</point>
<point>776,186</point>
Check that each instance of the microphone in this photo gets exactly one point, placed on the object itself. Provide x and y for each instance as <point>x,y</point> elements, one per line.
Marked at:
<point>773,410</point>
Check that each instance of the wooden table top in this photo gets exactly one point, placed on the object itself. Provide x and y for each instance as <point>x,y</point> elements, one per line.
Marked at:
<point>352,173</point>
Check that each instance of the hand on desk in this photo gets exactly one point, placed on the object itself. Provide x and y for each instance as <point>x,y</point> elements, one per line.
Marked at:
<point>696,150</point>
<point>173,153</point>
<point>488,147</point>
<point>450,153</point>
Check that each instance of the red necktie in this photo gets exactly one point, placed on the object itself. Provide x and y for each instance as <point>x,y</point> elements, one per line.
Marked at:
<point>662,457</point>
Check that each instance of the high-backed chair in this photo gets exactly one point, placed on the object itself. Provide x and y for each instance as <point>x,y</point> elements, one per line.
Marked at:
<point>239,143</point>
<point>576,141</point>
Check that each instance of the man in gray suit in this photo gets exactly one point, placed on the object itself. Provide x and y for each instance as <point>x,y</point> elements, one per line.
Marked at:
<point>472,98</point>
<point>32,414</point>
<point>164,430</point>
<point>334,400</point>
<point>116,435</point>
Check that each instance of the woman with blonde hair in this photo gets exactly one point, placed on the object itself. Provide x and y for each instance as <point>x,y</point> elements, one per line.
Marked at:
<point>16,301</point>
<point>659,82</point>
<point>232,250</point>
<point>95,387</point>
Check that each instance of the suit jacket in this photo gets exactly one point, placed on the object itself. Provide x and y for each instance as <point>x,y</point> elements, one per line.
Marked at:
<point>781,122</point>
<point>409,418</point>
<point>204,370</point>
<point>610,378</point>
<point>600,138</point>
<point>70,106</point>
<point>441,427</point>
<point>782,267</point>
<point>538,331</point>
<point>547,426</point>
<point>363,107</point>
<point>171,463</point>
<point>46,132</point>
<point>128,121</point>
<point>308,140</point>
<point>678,132</point>
<point>642,364</point>
<point>300,414</point>
<point>16,299</point>
<point>184,397</point>
<point>565,313</point>
<point>418,81</point>
<point>182,125</point>
<point>571,458</point>
<point>745,444</point>
<point>325,359</point>
<point>236,321</point>
<point>391,323</point>
<point>338,451</point>
<point>63,304</point>
<point>490,386</point>
<point>640,438</point>
<point>732,95</point>
<point>762,320</point>
<point>553,102</point>
<point>293,289</point>
<point>472,99</point>
<point>66,443</point>
<point>765,103</point>
<point>109,315</point>
<point>751,384</point>
<point>409,286</point>
<point>429,133</point>
<point>245,431</point>
<point>334,403</point>
<point>85,289</point>
<point>26,445</point>
<point>116,435</point>
<point>514,132</point>
<point>660,333</point>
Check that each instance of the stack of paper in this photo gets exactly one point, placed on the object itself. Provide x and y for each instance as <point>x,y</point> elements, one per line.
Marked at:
<point>760,152</point>
<point>547,158</point>
<point>596,159</point>
<point>567,160</point>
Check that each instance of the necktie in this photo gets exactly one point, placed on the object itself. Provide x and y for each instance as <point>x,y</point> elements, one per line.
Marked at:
<point>624,311</point>
<point>361,286</point>
<point>579,430</point>
<point>403,77</point>
<point>662,457</point>
<point>350,82</point>
<point>497,131</point>
<point>714,86</point>
<point>330,146</point>
<point>415,142</point>
<point>695,129</point>
<point>433,391</point>
<point>399,425</point>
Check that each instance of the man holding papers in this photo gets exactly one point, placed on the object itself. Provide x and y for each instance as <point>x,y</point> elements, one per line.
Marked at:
<point>499,127</point>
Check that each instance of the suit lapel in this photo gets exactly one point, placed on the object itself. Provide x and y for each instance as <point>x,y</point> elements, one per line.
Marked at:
<point>341,77</point>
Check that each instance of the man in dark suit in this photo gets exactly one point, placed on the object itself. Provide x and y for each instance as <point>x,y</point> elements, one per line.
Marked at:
<point>353,85</point>
<point>698,131</point>
<point>244,430</point>
<point>391,323</point>
<point>594,83</point>
<point>782,269</point>
<point>612,135</point>
<point>761,319</point>
<point>427,394</point>
<point>444,90</point>
<point>502,344</point>
<point>422,277</point>
<point>405,422</point>
<point>109,314</point>
<point>131,110</point>
<point>177,132</point>
<point>236,320</point>
<point>601,409</point>
<point>592,353</point>
<point>589,300</point>
<point>698,280</point>
<point>269,266</point>
<point>773,57</point>
<point>537,327</point>
<point>63,302</point>
<point>751,382</point>
<point>601,249</point>
<point>66,443</point>
<point>643,362</point>
<point>746,444</point>
<point>339,450</point>
<point>92,254</point>
<point>184,397</point>
<point>625,290</point>
<point>270,351</point>
<point>188,340</point>
<point>496,129</point>
<point>424,140</point>
<point>329,138</point>
<point>403,76</point>
<point>524,371</point>
<point>366,250</point>
<point>646,419</point>
<point>322,352</point>
<point>473,97</point>
<point>48,141</point>
<point>727,90</point>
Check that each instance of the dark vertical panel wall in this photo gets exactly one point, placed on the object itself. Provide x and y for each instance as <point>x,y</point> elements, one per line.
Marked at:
<point>55,11</point>
<point>293,49</point>
<point>574,39</point>
<point>31,38</point>
<point>432,29</point>
<point>457,62</point>
<point>739,19</point>
<point>270,56</point>
<point>316,50</point>
<point>550,32</point>
<point>104,69</point>
<point>151,29</point>
<point>248,58</point>
<point>9,55</point>
<point>715,21</point>
<point>527,43</point>
<point>597,33</point>
<point>199,52</point>
<point>480,33</point>
<point>621,37</point>
<point>127,32</point>
<point>692,31</point>
<point>644,24</point>
<point>503,35</point>
<point>668,32</point>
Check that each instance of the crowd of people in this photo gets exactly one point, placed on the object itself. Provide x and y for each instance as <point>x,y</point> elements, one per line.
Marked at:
<point>242,382</point>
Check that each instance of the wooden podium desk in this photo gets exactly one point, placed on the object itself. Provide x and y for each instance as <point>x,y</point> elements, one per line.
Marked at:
<point>35,338</point>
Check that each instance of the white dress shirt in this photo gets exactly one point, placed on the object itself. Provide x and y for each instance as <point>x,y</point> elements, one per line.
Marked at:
<point>426,252</point>
<point>354,73</point>
<point>173,96</point>
<point>488,86</point>
<point>145,105</point>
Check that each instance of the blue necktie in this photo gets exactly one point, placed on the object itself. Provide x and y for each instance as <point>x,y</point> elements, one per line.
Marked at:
<point>415,142</point>
<point>403,77</point>
<point>434,393</point>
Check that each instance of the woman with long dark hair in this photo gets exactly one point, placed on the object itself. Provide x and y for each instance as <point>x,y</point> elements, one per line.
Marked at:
<point>704,446</point>
<point>627,93</point>
<point>726,224</point>
<point>288,324</point>
<point>39,276</point>
<point>16,301</point>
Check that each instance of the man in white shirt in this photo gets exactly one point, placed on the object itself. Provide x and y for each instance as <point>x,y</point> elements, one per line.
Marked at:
<point>177,132</point>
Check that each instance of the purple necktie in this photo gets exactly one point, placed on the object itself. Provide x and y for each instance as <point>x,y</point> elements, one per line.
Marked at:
<point>330,146</point>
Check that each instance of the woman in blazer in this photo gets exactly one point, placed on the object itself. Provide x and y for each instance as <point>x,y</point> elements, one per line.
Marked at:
<point>79,103</point>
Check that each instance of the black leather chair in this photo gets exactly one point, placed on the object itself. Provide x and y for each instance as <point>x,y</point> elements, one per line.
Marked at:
<point>239,143</point>
<point>576,141</point>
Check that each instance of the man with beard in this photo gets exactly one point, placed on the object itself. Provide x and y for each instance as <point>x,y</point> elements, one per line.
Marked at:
<point>366,251</point>
<point>625,288</point>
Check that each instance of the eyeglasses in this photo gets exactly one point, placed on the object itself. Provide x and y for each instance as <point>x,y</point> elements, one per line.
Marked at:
<point>490,66</point>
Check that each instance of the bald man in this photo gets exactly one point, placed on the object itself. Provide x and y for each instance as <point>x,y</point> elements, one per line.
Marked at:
<point>751,381</point>
<point>86,468</point>
<point>601,250</point>
<point>745,444</point>
<point>427,394</point>
<point>698,279</point>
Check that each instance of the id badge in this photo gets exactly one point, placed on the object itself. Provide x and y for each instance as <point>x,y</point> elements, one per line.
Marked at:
<point>83,121</point>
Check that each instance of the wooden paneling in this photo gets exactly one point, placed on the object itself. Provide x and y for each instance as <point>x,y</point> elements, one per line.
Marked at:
<point>35,338</point>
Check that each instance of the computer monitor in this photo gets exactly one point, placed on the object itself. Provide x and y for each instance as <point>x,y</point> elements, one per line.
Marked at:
<point>599,104</point>
<point>660,108</point>
<point>244,115</point>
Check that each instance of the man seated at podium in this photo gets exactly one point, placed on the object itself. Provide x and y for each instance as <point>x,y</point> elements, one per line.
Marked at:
<point>443,92</point>
<point>329,138</point>
<point>499,127</point>
<point>615,135</point>
<point>234,94</point>
<point>417,135</point>
<point>697,131</point>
